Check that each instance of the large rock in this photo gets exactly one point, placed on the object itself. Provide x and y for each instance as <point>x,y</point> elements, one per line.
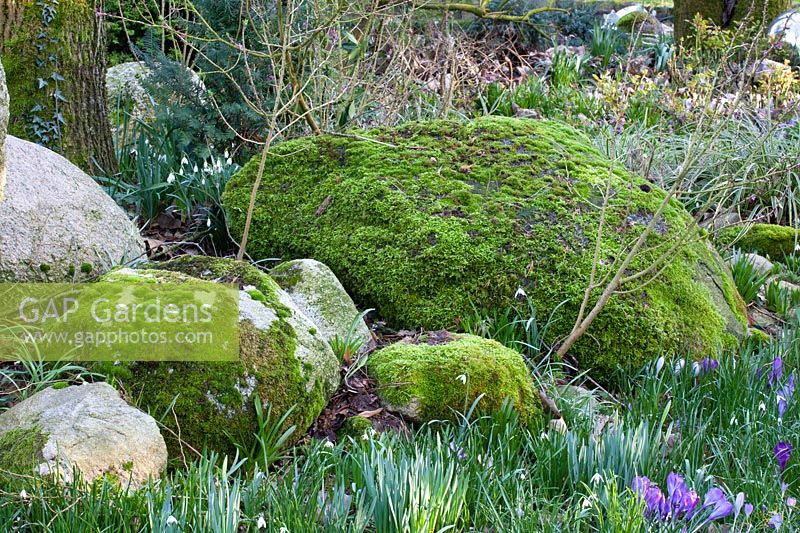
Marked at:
<point>283,360</point>
<point>56,223</point>
<point>86,428</point>
<point>443,374</point>
<point>3,129</point>
<point>317,292</point>
<point>429,221</point>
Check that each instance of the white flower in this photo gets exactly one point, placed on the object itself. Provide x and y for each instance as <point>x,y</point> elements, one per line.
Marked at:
<point>196,170</point>
<point>696,368</point>
<point>596,478</point>
<point>462,378</point>
<point>262,524</point>
<point>659,364</point>
<point>329,444</point>
<point>734,422</point>
<point>171,521</point>
<point>762,407</point>
<point>23,494</point>
<point>520,294</point>
<point>208,223</point>
<point>679,365</point>
<point>522,476</point>
<point>171,178</point>
<point>184,161</point>
<point>283,529</point>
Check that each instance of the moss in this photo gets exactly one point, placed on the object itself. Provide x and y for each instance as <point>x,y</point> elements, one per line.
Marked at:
<point>86,268</point>
<point>257,295</point>
<point>433,382</point>
<point>440,216</point>
<point>355,427</point>
<point>21,450</point>
<point>769,240</point>
<point>213,401</point>
<point>44,268</point>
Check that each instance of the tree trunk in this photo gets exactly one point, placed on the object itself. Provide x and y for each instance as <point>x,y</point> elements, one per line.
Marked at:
<point>724,13</point>
<point>3,126</point>
<point>55,63</point>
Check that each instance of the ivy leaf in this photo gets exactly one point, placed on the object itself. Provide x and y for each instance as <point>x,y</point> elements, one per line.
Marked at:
<point>58,96</point>
<point>55,76</point>
<point>42,83</point>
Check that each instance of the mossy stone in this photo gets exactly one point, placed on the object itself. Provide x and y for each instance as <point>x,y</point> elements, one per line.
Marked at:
<point>21,451</point>
<point>425,382</point>
<point>768,240</point>
<point>213,401</point>
<point>430,220</point>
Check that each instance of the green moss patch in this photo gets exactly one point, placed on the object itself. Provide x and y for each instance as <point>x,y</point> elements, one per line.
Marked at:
<point>435,381</point>
<point>426,220</point>
<point>769,240</point>
<point>21,451</point>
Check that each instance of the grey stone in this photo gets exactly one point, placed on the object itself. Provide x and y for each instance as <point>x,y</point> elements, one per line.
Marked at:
<point>761,264</point>
<point>56,223</point>
<point>89,428</point>
<point>317,292</point>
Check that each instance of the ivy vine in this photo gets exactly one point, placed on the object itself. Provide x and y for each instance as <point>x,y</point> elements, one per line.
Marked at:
<point>47,121</point>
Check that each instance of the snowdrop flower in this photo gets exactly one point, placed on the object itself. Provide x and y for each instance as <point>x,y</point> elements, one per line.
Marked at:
<point>329,444</point>
<point>171,521</point>
<point>762,407</point>
<point>659,364</point>
<point>171,178</point>
<point>184,161</point>
<point>262,524</point>
<point>462,378</point>
<point>23,494</point>
<point>208,223</point>
<point>195,169</point>
<point>522,476</point>
<point>283,529</point>
<point>520,294</point>
<point>596,478</point>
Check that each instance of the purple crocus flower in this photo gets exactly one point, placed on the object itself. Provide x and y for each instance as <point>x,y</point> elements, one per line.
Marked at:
<point>782,451</point>
<point>708,364</point>
<point>656,505</point>
<point>775,372</point>
<point>682,500</point>
<point>719,504</point>
<point>784,394</point>
<point>776,520</point>
<point>748,509</point>
<point>738,503</point>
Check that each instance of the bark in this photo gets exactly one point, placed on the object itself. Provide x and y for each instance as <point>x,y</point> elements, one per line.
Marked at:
<point>725,13</point>
<point>78,46</point>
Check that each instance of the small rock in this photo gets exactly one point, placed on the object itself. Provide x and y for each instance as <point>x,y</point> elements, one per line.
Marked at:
<point>317,292</point>
<point>761,264</point>
<point>87,428</point>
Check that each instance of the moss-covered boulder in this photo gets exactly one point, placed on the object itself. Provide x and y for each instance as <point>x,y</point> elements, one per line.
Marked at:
<point>317,292</point>
<point>283,360</point>
<point>769,240</point>
<point>441,376</point>
<point>429,220</point>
